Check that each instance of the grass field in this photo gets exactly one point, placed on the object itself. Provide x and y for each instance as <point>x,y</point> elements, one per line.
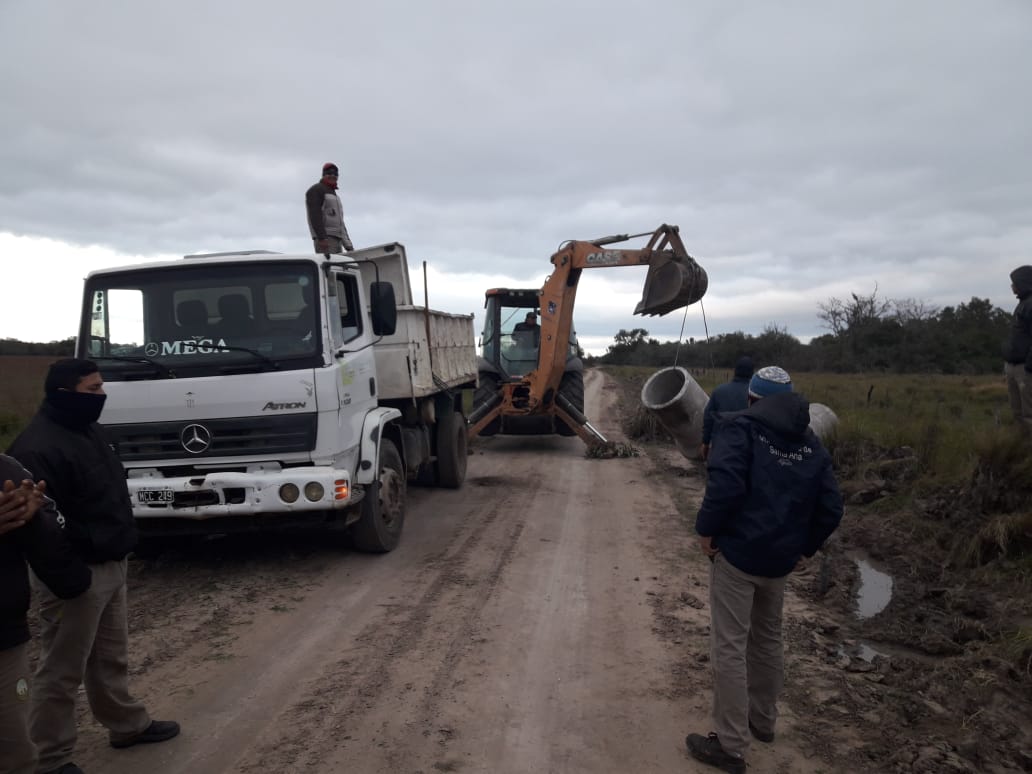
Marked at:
<point>21,390</point>
<point>939,454</point>
<point>944,419</point>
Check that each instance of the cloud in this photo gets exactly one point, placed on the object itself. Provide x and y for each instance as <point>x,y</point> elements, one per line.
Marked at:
<point>806,150</point>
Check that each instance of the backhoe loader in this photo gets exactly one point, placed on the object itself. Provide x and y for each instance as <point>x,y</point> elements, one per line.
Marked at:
<point>531,376</point>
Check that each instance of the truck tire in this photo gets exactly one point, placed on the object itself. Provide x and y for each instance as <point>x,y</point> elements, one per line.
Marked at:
<point>378,529</point>
<point>487,388</point>
<point>572,388</point>
<point>451,450</point>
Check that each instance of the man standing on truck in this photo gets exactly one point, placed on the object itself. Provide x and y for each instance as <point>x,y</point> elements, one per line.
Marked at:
<point>30,531</point>
<point>83,640</point>
<point>1017,351</point>
<point>325,216</point>
<point>732,396</point>
<point>771,499</point>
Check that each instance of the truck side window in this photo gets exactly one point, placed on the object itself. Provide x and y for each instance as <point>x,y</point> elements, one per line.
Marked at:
<point>347,300</point>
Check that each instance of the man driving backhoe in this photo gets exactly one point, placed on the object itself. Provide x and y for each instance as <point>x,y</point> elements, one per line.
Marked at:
<point>527,333</point>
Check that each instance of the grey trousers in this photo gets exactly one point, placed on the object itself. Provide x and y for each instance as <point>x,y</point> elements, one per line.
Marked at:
<point>746,652</point>
<point>1019,389</point>
<point>17,753</point>
<point>83,641</point>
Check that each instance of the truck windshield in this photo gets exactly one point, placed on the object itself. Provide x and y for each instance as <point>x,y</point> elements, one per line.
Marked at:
<point>202,320</point>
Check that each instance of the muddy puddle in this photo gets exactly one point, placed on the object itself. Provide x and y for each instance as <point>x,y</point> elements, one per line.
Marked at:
<point>874,591</point>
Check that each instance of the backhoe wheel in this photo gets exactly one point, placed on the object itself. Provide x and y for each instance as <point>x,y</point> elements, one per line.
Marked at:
<point>378,529</point>
<point>487,387</point>
<point>451,449</point>
<point>572,388</point>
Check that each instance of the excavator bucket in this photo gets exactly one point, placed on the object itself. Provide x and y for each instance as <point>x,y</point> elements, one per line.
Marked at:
<point>671,283</point>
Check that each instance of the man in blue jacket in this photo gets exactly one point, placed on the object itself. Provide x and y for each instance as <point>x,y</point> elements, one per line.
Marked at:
<point>771,499</point>
<point>732,396</point>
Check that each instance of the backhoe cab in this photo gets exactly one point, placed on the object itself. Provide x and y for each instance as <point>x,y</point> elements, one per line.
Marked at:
<point>511,346</point>
<point>531,377</point>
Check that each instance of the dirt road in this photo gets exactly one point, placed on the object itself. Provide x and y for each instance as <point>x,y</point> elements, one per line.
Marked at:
<point>549,616</point>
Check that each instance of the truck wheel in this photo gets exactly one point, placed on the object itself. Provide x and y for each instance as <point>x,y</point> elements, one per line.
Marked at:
<point>487,388</point>
<point>378,529</point>
<point>572,388</point>
<point>451,450</point>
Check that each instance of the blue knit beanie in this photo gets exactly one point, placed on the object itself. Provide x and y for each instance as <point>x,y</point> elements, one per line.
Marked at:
<point>769,380</point>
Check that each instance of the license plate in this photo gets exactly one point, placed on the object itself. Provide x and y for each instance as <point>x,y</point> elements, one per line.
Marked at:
<point>151,496</point>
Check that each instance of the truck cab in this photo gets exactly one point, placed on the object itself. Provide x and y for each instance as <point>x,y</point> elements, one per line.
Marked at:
<point>244,390</point>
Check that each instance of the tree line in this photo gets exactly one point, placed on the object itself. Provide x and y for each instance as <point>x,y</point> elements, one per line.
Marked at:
<point>865,333</point>
<point>63,348</point>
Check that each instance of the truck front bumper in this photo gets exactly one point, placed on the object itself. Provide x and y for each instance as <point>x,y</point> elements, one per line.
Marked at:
<point>219,493</point>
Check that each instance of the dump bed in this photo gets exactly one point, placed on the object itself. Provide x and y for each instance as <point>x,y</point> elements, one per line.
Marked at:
<point>404,360</point>
<point>406,365</point>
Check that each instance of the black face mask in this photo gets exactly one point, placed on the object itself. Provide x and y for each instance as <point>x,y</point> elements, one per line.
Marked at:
<point>77,409</point>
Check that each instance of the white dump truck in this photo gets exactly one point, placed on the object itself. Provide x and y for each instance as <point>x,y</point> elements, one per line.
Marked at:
<point>256,390</point>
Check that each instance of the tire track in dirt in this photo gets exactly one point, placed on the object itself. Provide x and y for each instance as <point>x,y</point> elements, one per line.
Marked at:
<point>565,672</point>
<point>373,672</point>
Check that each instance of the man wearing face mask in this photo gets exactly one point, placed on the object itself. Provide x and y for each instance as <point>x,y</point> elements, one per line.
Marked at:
<point>83,640</point>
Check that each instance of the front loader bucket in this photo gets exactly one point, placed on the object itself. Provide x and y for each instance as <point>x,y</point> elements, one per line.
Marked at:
<point>671,284</point>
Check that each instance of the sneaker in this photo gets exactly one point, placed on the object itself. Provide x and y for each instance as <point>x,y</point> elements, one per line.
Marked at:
<point>708,750</point>
<point>763,736</point>
<point>68,768</point>
<point>157,731</point>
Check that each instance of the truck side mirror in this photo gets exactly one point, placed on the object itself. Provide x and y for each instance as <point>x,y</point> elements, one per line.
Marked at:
<point>383,308</point>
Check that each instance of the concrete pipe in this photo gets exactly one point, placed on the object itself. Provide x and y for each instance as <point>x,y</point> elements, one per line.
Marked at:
<point>822,420</point>
<point>677,401</point>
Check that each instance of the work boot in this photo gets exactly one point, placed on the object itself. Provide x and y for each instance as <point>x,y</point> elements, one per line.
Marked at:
<point>157,731</point>
<point>68,768</point>
<point>708,750</point>
<point>763,736</point>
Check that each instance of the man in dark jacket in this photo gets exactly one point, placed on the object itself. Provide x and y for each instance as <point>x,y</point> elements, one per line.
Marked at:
<point>83,640</point>
<point>732,396</point>
<point>1017,352</point>
<point>771,499</point>
<point>325,216</point>
<point>30,530</point>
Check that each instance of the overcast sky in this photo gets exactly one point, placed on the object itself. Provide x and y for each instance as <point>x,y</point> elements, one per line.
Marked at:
<point>806,149</point>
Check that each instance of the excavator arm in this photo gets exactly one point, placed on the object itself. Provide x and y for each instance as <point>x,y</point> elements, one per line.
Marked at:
<point>674,280</point>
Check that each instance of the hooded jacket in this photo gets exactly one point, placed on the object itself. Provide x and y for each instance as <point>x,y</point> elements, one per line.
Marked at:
<point>42,543</point>
<point>731,396</point>
<point>771,494</point>
<point>85,479</point>
<point>1018,348</point>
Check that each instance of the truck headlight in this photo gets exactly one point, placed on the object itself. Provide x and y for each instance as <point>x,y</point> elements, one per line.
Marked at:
<point>289,493</point>
<point>314,491</point>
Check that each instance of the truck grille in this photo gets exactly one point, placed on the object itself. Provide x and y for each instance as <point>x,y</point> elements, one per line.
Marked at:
<point>239,436</point>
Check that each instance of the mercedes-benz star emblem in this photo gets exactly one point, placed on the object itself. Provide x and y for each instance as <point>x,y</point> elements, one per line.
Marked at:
<point>196,439</point>
<point>151,349</point>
